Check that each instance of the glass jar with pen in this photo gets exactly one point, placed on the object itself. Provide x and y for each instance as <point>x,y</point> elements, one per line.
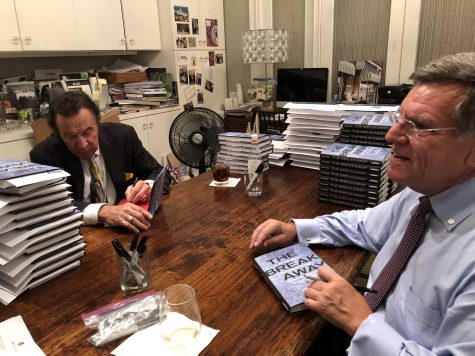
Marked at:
<point>133,265</point>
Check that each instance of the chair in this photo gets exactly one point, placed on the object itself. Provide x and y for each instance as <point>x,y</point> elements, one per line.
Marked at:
<point>41,129</point>
<point>272,122</point>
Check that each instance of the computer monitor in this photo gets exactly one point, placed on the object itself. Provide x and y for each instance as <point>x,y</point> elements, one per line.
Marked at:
<point>301,85</point>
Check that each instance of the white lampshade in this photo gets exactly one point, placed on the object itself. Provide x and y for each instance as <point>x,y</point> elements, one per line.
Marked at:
<point>265,46</point>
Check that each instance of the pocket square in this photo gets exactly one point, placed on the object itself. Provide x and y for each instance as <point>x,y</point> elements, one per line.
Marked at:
<point>128,176</point>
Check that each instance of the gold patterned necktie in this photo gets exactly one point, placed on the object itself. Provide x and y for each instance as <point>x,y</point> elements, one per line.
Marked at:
<point>97,191</point>
<point>403,252</point>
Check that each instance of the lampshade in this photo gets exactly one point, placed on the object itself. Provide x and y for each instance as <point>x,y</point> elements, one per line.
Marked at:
<point>265,46</point>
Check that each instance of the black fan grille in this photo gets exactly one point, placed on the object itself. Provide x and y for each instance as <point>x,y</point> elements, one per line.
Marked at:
<point>192,125</point>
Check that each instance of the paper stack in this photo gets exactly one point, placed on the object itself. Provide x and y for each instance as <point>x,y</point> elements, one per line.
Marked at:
<point>235,147</point>
<point>39,227</point>
<point>279,155</point>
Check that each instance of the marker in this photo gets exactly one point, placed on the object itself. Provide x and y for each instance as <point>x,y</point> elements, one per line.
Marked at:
<point>135,181</point>
<point>364,289</point>
<point>313,277</point>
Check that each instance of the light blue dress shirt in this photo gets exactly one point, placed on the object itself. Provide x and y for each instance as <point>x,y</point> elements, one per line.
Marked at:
<point>431,309</point>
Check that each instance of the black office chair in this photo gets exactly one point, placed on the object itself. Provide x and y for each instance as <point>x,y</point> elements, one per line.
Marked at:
<point>271,122</point>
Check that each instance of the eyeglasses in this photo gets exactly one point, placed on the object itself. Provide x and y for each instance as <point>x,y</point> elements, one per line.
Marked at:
<point>412,131</point>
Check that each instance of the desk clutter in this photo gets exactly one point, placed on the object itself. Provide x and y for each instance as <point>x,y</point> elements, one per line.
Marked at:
<point>39,227</point>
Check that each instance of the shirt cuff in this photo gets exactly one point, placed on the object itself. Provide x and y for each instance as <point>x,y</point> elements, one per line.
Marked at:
<point>308,231</point>
<point>375,337</point>
<point>90,214</point>
<point>149,182</point>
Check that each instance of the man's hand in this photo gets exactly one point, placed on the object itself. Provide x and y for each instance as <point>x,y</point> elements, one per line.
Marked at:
<point>138,193</point>
<point>273,233</point>
<point>128,215</point>
<point>337,301</point>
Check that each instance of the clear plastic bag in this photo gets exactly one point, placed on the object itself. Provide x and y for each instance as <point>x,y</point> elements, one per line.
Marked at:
<point>123,318</point>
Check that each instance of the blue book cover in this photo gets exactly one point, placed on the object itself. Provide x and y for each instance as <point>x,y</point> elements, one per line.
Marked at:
<point>12,168</point>
<point>369,120</point>
<point>357,153</point>
<point>285,269</point>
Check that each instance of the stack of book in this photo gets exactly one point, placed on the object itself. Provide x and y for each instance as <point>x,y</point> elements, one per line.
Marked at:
<point>279,155</point>
<point>366,129</point>
<point>235,148</point>
<point>354,175</point>
<point>150,92</point>
<point>311,128</point>
<point>39,227</point>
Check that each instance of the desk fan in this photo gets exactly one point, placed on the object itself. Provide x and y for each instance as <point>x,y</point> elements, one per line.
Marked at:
<point>194,137</point>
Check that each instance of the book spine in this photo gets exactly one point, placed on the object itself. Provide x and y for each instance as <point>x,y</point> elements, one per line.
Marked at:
<point>354,204</point>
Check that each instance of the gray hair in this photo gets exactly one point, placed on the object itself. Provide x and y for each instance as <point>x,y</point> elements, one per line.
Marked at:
<point>457,68</point>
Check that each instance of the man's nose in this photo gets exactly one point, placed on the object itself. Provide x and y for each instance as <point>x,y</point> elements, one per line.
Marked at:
<point>82,142</point>
<point>396,135</point>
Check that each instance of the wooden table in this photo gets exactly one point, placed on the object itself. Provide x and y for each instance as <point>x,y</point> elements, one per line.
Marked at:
<point>199,237</point>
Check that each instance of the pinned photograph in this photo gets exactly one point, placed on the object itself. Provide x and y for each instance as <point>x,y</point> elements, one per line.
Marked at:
<point>181,42</point>
<point>191,42</point>
<point>183,28</point>
<point>198,78</point>
<point>194,27</point>
<point>212,58</point>
<point>188,106</point>
<point>211,32</point>
<point>200,98</point>
<point>194,61</point>
<point>181,13</point>
<point>191,76</point>
<point>209,86</point>
<point>183,72</point>
<point>219,58</point>
<point>189,92</point>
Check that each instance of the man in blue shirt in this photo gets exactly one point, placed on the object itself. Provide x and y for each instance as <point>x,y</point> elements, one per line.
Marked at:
<point>430,309</point>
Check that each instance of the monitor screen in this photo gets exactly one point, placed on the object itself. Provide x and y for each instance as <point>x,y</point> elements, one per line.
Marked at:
<point>302,85</point>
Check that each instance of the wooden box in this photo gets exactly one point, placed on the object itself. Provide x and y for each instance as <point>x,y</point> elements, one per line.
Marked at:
<point>122,78</point>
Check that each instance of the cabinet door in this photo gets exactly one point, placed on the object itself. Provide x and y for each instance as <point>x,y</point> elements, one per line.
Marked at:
<point>158,130</point>
<point>99,25</point>
<point>47,25</point>
<point>212,18</point>
<point>186,24</point>
<point>9,33</point>
<point>141,127</point>
<point>19,149</point>
<point>142,29</point>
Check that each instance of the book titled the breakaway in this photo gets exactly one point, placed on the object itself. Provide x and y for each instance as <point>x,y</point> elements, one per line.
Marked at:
<point>285,269</point>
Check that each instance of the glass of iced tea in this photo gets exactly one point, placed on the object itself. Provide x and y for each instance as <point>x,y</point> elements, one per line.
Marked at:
<point>220,173</point>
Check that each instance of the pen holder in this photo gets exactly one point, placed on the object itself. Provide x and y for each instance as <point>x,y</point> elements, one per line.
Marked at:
<point>253,184</point>
<point>134,275</point>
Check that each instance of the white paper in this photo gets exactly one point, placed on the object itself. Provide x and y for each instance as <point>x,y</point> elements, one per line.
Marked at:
<point>232,182</point>
<point>15,339</point>
<point>149,341</point>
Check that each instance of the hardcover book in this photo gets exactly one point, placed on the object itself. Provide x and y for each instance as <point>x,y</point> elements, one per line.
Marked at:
<point>284,270</point>
<point>354,153</point>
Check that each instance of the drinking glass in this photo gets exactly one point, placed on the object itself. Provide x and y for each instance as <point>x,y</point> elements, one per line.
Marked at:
<point>180,322</point>
<point>220,173</point>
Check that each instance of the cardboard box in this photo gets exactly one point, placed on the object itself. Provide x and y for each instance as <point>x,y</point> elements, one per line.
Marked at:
<point>123,78</point>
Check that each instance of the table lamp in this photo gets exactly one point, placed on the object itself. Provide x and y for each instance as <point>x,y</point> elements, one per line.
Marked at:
<point>265,46</point>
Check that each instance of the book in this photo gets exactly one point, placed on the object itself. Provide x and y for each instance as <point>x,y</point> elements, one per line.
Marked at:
<point>353,153</point>
<point>12,168</point>
<point>284,270</point>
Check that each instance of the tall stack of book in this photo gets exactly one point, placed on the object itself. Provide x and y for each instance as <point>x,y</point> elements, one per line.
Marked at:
<point>151,92</point>
<point>367,129</point>
<point>354,175</point>
<point>39,227</point>
<point>235,148</point>
<point>311,128</point>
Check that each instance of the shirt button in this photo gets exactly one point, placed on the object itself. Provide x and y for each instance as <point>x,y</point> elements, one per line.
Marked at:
<point>450,221</point>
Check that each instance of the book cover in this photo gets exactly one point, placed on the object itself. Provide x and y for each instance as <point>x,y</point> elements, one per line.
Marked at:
<point>12,168</point>
<point>284,271</point>
<point>370,121</point>
<point>355,153</point>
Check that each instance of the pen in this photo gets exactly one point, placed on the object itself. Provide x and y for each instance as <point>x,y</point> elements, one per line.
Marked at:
<point>313,277</point>
<point>364,289</point>
<point>133,243</point>
<point>135,181</point>
<point>258,171</point>
<point>137,273</point>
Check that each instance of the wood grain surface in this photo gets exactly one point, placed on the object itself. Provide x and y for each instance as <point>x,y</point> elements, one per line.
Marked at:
<point>200,236</point>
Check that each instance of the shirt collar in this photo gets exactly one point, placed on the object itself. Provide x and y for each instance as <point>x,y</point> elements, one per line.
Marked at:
<point>455,204</point>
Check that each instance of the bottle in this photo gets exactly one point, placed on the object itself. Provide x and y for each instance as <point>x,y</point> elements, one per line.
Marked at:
<point>253,177</point>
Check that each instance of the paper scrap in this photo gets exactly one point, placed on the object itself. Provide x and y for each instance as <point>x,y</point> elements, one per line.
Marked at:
<point>15,339</point>
<point>231,183</point>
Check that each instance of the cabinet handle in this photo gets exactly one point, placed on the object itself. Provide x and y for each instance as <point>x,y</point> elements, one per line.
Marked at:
<point>144,125</point>
<point>150,125</point>
<point>16,40</point>
<point>132,41</point>
<point>28,40</point>
<point>123,41</point>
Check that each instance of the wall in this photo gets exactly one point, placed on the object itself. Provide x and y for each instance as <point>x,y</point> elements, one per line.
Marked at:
<point>236,14</point>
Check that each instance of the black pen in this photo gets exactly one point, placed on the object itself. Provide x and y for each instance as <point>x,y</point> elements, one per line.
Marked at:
<point>135,181</point>
<point>364,289</point>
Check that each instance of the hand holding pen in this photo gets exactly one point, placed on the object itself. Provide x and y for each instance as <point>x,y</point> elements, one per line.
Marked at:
<point>316,277</point>
<point>138,192</point>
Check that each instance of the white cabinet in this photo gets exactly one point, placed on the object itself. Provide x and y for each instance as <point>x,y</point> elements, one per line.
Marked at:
<point>9,34</point>
<point>47,25</point>
<point>153,129</point>
<point>141,24</point>
<point>16,143</point>
<point>99,25</point>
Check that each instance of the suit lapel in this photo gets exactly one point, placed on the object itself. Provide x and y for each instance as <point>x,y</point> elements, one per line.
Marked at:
<point>113,159</point>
